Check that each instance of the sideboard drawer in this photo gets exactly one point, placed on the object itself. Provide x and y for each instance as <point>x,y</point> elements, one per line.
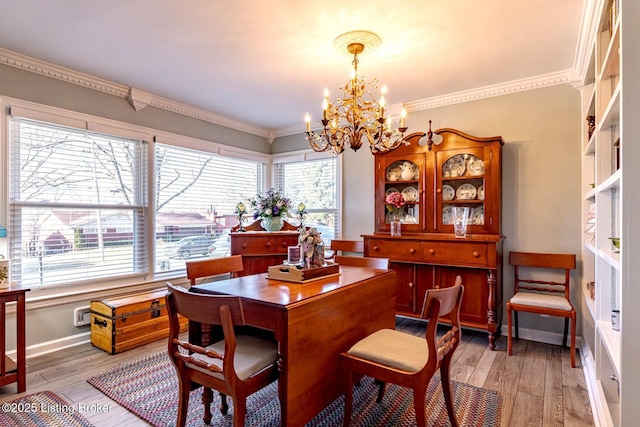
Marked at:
<point>454,253</point>
<point>397,250</point>
<point>249,245</point>
<point>263,244</point>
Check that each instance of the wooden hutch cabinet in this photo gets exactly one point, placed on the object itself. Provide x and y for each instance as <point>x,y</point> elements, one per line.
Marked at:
<point>461,171</point>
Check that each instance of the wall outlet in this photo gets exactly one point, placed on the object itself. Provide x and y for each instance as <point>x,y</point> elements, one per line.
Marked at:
<point>82,316</point>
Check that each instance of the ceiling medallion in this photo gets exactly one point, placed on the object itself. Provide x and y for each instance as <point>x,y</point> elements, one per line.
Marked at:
<point>356,117</point>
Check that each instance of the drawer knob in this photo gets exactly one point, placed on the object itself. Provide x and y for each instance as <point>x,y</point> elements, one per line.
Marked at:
<point>375,248</point>
<point>411,284</point>
<point>284,244</point>
<point>413,251</point>
<point>244,246</point>
<point>437,287</point>
<point>267,245</point>
<point>439,190</point>
<point>476,254</point>
<point>432,251</point>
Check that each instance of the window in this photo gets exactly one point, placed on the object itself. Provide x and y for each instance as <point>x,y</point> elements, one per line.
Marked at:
<point>78,201</point>
<point>92,201</point>
<point>195,200</point>
<point>313,182</point>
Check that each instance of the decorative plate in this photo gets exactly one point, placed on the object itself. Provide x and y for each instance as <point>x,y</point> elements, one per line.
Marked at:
<point>393,173</point>
<point>447,215</point>
<point>448,193</point>
<point>466,192</point>
<point>410,194</point>
<point>475,166</point>
<point>454,167</point>
<point>481,192</point>
<point>391,190</point>
<point>408,219</point>
<point>477,217</point>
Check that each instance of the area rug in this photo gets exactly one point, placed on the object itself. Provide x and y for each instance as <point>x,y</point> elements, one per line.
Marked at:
<point>149,388</point>
<point>42,409</point>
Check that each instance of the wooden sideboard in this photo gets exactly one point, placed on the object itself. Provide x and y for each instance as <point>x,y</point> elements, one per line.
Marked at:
<point>261,249</point>
<point>426,262</point>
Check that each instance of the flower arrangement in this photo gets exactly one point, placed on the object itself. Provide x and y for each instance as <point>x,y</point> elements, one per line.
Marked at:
<point>271,204</point>
<point>311,248</point>
<point>395,202</point>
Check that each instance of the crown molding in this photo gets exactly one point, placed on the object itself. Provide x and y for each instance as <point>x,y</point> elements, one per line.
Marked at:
<point>47,69</point>
<point>506,88</point>
<point>586,40</point>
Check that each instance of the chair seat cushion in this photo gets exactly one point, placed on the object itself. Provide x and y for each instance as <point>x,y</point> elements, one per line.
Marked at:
<point>253,354</point>
<point>393,348</point>
<point>541,300</point>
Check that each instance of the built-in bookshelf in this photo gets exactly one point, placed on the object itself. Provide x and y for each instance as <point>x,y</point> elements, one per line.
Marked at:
<point>610,181</point>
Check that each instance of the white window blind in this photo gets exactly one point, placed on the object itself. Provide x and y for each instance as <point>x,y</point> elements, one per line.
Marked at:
<point>314,183</point>
<point>78,201</point>
<point>195,199</point>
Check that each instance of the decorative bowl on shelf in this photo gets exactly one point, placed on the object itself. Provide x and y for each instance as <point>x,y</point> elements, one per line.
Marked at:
<point>615,241</point>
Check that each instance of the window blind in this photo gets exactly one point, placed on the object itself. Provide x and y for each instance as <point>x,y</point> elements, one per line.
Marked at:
<point>78,201</point>
<point>195,200</point>
<point>314,183</point>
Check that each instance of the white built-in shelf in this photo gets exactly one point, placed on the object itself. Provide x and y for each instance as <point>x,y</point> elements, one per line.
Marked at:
<point>612,341</point>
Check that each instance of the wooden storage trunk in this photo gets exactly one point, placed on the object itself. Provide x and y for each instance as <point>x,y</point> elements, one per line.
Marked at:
<point>118,324</point>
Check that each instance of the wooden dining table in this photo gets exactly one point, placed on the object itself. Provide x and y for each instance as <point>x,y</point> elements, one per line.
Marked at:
<point>313,323</point>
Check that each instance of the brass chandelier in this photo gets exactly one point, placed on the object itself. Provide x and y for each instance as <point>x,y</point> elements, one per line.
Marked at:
<point>356,117</point>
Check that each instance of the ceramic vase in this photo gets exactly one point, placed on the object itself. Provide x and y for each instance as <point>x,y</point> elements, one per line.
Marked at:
<point>272,223</point>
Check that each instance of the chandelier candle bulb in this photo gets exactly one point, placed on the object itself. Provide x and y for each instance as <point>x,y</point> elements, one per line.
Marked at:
<point>307,119</point>
<point>403,115</point>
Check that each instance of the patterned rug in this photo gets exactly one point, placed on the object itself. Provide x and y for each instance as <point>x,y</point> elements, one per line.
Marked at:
<point>44,409</point>
<point>149,388</point>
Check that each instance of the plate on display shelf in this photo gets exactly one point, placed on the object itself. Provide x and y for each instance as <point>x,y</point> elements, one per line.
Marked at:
<point>448,193</point>
<point>481,192</point>
<point>475,166</point>
<point>410,194</point>
<point>454,167</point>
<point>391,190</point>
<point>477,216</point>
<point>447,215</point>
<point>393,173</point>
<point>466,192</point>
<point>408,219</point>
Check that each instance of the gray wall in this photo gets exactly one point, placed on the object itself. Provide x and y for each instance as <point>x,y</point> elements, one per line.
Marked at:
<point>541,167</point>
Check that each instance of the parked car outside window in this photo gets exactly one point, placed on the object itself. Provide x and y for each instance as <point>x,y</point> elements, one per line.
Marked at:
<point>190,246</point>
<point>221,247</point>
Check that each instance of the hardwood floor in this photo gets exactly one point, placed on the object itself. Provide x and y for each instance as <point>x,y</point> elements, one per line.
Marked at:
<point>537,382</point>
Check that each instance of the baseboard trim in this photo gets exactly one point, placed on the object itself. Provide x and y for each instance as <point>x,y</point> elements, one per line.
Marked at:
<point>41,349</point>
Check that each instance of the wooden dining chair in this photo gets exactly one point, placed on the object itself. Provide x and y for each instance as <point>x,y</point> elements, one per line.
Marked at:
<point>359,261</point>
<point>407,360</point>
<point>208,268</point>
<point>344,247</point>
<point>542,296</point>
<point>236,366</point>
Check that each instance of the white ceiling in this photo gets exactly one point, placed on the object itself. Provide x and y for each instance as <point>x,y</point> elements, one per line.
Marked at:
<point>266,62</point>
